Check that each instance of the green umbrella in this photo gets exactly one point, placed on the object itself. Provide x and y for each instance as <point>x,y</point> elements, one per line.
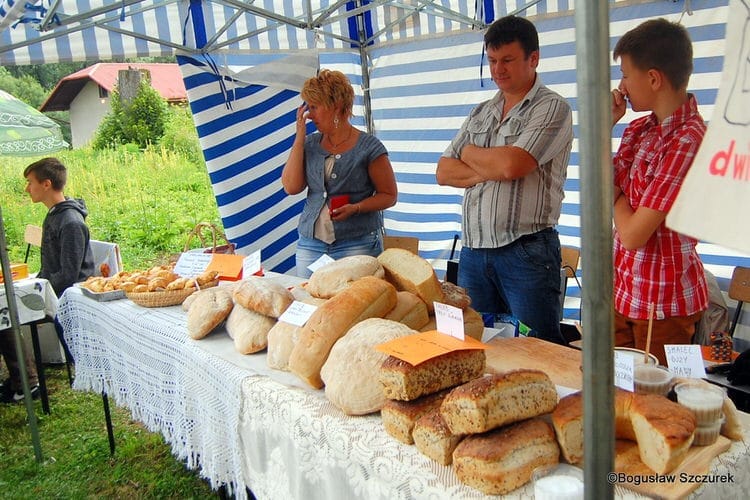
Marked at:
<point>24,131</point>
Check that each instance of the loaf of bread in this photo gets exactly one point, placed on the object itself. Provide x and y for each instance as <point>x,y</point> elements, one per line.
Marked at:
<point>350,372</point>
<point>399,417</point>
<point>410,272</point>
<point>499,461</point>
<point>663,429</point>
<point>208,311</point>
<point>406,382</point>
<point>410,310</point>
<point>283,336</point>
<point>248,329</point>
<point>263,296</point>
<point>368,297</point>
<point>433,438</point>
<point>494,400</point>
<point>473,324</point>
<point>455,295</point>
<point>330,279</point>
<point>229,288</point>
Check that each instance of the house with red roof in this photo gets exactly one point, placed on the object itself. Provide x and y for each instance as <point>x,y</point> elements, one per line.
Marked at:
<point>86,94</point>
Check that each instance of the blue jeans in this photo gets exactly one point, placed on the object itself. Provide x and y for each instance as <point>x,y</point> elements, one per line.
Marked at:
<point>521,279</point>
<point>310,249</point>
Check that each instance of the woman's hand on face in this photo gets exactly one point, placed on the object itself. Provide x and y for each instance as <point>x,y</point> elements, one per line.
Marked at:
<point>344,212</point>
<point>302,113</point>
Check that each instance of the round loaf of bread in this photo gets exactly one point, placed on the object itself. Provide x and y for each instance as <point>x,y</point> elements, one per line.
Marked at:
<point>350,373</point>
<point>248,329</point>
<point>208,311</point>
<point>263,296</point>
<point>330,279</point>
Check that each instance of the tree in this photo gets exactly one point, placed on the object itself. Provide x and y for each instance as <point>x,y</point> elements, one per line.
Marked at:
<point>141,121</point>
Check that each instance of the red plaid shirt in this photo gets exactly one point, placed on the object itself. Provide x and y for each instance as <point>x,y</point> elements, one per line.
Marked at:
<point>650,165</point>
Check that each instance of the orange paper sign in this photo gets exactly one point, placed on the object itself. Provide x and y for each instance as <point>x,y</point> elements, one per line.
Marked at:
<point>229,266</point>
<point>419,347</point>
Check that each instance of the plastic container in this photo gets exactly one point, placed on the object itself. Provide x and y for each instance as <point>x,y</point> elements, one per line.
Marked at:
<point>704,400</point>
<point>651,379</point>
<point>557,482</point>
<point>707,434</point>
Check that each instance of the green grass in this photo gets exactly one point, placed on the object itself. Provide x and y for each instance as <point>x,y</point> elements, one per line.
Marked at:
<point>76,460</point>
<point>147,202</point>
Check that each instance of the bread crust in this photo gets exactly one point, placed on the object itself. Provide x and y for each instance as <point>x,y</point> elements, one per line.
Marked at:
<point>399,417</point>
<point>495,400</point>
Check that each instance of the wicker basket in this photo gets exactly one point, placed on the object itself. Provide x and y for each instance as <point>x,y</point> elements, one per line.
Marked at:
<point>167,297</point>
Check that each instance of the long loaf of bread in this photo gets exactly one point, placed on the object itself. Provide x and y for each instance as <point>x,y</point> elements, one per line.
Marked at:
<point>495,400</point>
<point>502,460</point>
<point>368,297</point>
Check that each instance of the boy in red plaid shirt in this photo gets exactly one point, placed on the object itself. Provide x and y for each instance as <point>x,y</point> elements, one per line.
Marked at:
<point>653,264</point>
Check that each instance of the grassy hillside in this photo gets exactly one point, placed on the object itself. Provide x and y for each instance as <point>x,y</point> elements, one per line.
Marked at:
<point>146,202</point>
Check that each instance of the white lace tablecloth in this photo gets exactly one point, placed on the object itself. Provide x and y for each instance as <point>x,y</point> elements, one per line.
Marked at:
<point>242,424</point>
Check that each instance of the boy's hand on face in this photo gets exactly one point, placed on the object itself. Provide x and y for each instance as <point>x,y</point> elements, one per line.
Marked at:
<point>619,106</point>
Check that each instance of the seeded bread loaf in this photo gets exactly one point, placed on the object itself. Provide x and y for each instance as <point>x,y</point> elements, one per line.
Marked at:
<point>368,297</point>
<point>350,372</point>
<point>263,296</point>
<point>410,272</point>
<point>433,438</point>
<point>494,400</point>
<point>410,310</point>
<point>330,279</point>
<point>406,382</point>
<point>499,461</point>
<point>399,417</point>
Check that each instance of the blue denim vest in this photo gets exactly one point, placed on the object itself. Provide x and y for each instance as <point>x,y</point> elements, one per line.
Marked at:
<point>350,176</point>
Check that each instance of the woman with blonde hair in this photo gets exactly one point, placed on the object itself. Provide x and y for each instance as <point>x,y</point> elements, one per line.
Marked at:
<point>347,174</point>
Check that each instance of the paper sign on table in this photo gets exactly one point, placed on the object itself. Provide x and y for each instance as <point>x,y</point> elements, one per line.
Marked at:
<point>191,264</point>
<point>419,347</point>
<point>322,261</point>
<point>297,313</point>
<point>252,265</point>
<point>685,360</point>
<point>624,372</point>
<point>229,266</point>
<point>449,320</point>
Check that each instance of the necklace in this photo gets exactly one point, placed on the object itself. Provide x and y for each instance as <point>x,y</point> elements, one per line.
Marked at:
<point>335,146</point>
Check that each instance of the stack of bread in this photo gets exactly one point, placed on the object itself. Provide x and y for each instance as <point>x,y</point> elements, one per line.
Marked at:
<point>487,426</point>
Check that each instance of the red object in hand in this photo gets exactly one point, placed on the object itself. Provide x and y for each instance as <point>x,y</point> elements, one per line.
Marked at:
<point>338,201</point>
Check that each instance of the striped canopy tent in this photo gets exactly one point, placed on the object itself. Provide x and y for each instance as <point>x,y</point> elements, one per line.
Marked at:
<point>417,70</point>
<point>416,66</point>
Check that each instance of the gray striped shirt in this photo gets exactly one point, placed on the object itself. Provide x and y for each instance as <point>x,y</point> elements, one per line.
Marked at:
<point>497,213</point>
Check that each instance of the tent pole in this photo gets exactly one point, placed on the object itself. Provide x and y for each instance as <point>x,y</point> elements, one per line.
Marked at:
<point>594,112</point>
<point>10,295</point>
<point>365,70</point>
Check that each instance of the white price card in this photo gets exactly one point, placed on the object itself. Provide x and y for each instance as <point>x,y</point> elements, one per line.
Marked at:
<point>449,320</point>
<point>685,360</point>
<point>297,313</point>
<point>624,377</point>
<point>191,264</point>
<point>251,264</point>
<point>322,261</point>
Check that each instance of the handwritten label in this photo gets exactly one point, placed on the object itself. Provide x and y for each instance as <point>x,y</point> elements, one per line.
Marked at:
<point>191,264</point>
<point>685,360</point>
<point>297,313</point>
<point>449,320</point>
<point>322,261</point>
<point>624,378</point>
<point>251,264</point>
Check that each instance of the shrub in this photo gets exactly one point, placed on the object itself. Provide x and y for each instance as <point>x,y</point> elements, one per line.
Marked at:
<point>139,122</point>
<point>180,135</point>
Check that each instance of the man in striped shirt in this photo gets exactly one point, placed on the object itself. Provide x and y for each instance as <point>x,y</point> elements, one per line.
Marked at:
<point>511,156</point>
<point>657,271</point>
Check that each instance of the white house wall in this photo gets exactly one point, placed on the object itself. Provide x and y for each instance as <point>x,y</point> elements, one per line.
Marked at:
<point>86,114</point>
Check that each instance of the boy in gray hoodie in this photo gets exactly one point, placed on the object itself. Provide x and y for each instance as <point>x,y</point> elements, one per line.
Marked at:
<point>66,256</point>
